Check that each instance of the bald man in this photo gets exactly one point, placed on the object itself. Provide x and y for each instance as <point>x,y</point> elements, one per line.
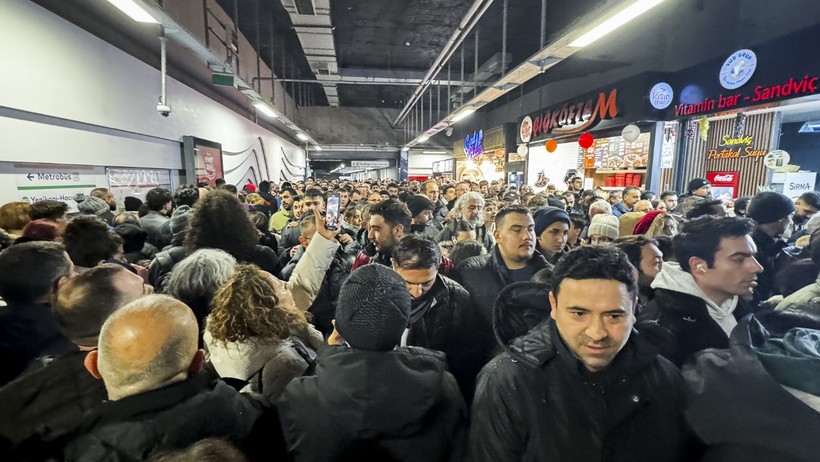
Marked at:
<point>149,361</point>
<point>52,399</point>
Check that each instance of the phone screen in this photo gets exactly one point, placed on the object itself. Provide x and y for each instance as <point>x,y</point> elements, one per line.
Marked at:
<point>332,214</point>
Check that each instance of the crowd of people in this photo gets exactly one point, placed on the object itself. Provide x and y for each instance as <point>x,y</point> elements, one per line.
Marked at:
<point>437,321</point>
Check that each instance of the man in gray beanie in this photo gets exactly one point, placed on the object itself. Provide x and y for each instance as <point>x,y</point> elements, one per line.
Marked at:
<point>772,213</point>
<point>369,399</point>
<point>90,205</point>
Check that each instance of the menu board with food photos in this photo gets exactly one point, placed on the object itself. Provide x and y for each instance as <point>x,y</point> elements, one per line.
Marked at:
<point>615,153</point>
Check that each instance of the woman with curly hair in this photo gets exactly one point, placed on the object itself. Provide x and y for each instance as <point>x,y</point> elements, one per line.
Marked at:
<point>219,221</point>
<point>256,334</point>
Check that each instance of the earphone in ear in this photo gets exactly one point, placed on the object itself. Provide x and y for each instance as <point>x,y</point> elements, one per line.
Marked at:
<point>701,269</point>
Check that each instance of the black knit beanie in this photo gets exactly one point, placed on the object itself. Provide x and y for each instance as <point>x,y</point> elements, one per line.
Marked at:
<point>769,206</point>
<point>373,308</point>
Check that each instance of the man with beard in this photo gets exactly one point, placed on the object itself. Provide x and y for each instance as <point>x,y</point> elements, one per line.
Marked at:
<point>804,208</point>
<point>389,222</point>
<point>421,209</point>
<point>441,310</point>
<point>645,256</point>
<point>469,207</point>
<point>575,384</point>
<point>699,299</point>
<point>514,259</point>
<point>281,218</point>
<point>106,195</point>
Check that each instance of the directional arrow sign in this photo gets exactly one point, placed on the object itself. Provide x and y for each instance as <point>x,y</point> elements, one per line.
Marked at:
<point>30,176</point>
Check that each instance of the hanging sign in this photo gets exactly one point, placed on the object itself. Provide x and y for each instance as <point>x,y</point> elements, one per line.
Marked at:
<point>661,95</point>
<point>738,69</point>
<point>473,144</point>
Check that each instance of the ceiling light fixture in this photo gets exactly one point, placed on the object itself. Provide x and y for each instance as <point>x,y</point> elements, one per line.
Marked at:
<point>134,11</point>
<point>434,152</point>
<point>614,22</point>
<point>466,112</point>
<point>423,138</point>
<point>317,148</point>
<point>264,109</point>
<point>302,136</point>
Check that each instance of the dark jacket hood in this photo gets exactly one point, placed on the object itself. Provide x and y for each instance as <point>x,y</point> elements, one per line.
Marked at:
<point>381,393</point>
<point>519,316</point>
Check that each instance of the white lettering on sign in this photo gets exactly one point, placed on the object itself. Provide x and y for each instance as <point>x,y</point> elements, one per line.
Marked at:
<point>725,178</point>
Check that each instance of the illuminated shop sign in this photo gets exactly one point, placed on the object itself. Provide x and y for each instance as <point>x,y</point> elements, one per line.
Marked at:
<point>730,147</point>
<point>759,94</point>
<point>572,117</point>
<point>473,144</point>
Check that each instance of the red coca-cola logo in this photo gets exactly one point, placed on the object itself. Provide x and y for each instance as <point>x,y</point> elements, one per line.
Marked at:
<point>725,178</point>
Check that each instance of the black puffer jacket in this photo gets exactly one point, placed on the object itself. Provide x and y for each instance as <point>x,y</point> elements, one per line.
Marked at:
<point>46,403</point>
<point>398,405</point>
<point>175,417</point>
<point>740,410</point>
<point>536,402</point>
<point>444,320</point>
<point>679,325</point>
<point>769,252</point>
<point>323,308</point>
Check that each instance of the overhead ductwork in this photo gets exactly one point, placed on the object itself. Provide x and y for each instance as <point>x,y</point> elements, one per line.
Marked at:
<point>311,21</point>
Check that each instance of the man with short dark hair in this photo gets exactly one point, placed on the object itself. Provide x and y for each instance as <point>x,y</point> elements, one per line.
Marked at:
<point>49,210</point>
<point>804,208</point>
<point>160,204</point>
<point>89,243</point>
<point>157,400</point>
<point>574,383</point>
<point>51,400</point>
<point>421,209</point>
<point>371,399</point>
<point>513,259</point>
<point>314,198</point>
<point>441,312</point>
<point>631,196</point>
<point>670,199</point>
<point>448,194</point>
<point>645,256</point>
<point>29,274</point>
<point>393,190</point>
<point>699,299</point>
<point>389,222</point>
<point>281,218</point>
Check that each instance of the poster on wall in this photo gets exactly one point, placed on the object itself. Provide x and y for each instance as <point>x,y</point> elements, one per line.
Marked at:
<point>551,167</point>
<point>136,182</point>
<point>203,160</point>
<point>54,182</point>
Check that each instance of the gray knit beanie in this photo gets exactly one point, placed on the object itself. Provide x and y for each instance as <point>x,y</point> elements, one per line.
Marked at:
<point>373,308</point>
<point>93,206</point>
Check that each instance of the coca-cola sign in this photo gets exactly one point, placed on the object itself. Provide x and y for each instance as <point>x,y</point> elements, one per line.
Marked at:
<point>724,184</point>
<point>727,178</point>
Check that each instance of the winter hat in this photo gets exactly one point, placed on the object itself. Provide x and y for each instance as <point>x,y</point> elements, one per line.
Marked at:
<point>769,206</point>
<point>642,226</point>
<point>373,308</point>
<point>511,196</point>
<point>133,237</point>
<point>132,204</point>
<point>696,184</point>
<point>179,219</point>
<point>604,225</point>
<point>546,216</point>
<point>418,204</point>
<point>93,206</point>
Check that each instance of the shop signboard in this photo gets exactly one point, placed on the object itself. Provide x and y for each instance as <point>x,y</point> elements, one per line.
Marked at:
<point>795,184</point>
<point>731,147</point>
<point>724,184</point>
<point>571,117</point>
<point>376,164</point>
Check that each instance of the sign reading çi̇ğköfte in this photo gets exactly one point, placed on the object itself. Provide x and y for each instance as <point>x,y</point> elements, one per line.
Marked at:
<point>568,118</point>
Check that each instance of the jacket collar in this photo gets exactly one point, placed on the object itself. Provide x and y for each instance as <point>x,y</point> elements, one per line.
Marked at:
<point>497,262</point>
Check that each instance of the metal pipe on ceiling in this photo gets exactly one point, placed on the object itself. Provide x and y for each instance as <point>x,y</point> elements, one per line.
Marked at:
<point>258,47</point>
<point>461,91</point>
<point>475,64</point>
<point>272,67</point>
<point>476,11</point>
<point>543,23</point>
<point>504,17</point>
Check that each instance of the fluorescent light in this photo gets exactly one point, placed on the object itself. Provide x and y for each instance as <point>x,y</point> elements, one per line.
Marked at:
<point>463,114</point>
<point>434,152</point>
<point>134,10</point>
<point>302,136</point>
<point>423,138</point>
<point>406,148</point>
<point>319,148</point>
<point>264,109</point>
<point>624,16</point>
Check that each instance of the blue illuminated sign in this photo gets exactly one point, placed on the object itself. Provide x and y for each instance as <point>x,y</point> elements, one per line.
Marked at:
<point>473,144</point>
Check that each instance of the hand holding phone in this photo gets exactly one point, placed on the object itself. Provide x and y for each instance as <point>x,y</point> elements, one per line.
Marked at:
<point>332,213</point>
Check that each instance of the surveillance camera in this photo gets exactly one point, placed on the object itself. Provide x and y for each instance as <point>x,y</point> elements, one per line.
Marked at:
<point>164,110</point>
<point>449,131</point>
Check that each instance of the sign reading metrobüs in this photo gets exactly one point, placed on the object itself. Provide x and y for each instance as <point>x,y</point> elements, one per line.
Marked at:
<point>569,118</point>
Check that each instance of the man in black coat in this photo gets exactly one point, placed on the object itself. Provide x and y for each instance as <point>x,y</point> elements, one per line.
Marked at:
<point>49,401</point>
<point>514,259</point>
<point>757,401</point>
<point>324,307</point>
<point>157,399</point>
<point>370,400</point>
<point>441,313</point>
<point>699,299</point>
<point>579,385</point>
<point>772,212</point>
<point>29,275</point>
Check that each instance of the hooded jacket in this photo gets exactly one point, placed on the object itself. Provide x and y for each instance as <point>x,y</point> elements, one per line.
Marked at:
<point>537,402</point>
<point>768,251</point>
<point>739,405</point>
<point>681,320</point>
<point>399,405</point>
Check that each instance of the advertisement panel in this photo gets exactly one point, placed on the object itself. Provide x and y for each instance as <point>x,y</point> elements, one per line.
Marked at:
<point>724,184</point>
